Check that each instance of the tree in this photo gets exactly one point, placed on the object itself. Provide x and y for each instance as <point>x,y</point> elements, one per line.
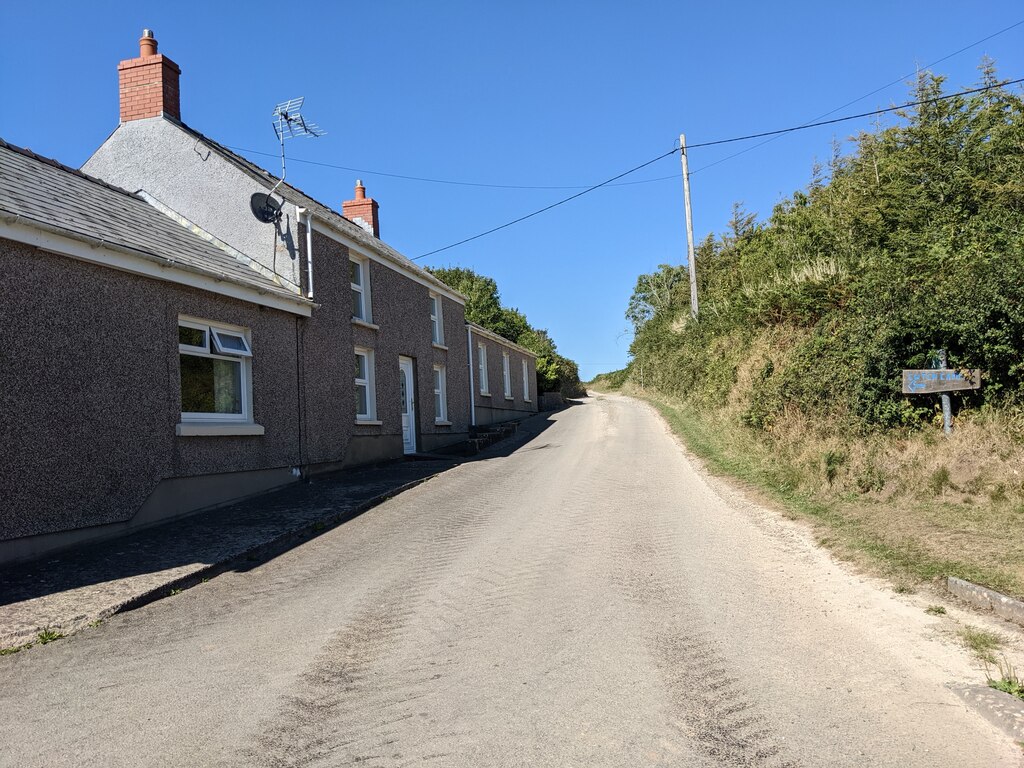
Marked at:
<point>483,307</point>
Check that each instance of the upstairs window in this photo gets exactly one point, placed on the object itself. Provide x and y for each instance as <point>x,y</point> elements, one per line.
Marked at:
<point>481,355</point>
<point>360,290</point>
<point>436,323</point>
<point>215,371</point>
<point>506,375</point>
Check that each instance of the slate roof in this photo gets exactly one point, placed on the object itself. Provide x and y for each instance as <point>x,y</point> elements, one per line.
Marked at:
<point>321,211</point>
<point>42,191</point>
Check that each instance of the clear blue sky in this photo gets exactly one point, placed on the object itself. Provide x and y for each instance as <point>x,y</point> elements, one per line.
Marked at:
<point>524,93</point>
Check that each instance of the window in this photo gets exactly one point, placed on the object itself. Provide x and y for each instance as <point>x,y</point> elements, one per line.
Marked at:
<point>506,375</point>
<point>481,354</point>
<point>214,363</point>
<point>526,381</point>
<point>436,322</point>
<point>440,395</point>
<point>366,400</point>
<point>360,290</point>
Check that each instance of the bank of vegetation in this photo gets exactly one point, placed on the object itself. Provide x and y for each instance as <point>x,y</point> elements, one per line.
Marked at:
<point>910,243</point>
<point>555,373</point>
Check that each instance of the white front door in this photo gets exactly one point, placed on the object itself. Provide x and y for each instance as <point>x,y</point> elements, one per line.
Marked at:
<point>407,389</point>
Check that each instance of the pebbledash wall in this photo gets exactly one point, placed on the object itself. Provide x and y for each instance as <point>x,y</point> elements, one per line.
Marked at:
<point>94,359</point>
<point>494,404</point>
<point>398,326</point>
<point>90,367</point>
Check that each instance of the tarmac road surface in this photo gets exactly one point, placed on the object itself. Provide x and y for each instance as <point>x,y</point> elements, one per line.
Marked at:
<point>589,600</point>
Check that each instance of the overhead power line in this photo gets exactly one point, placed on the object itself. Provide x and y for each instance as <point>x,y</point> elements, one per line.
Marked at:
<point>718,142</point>
<point>451,182</point>
<point>881,88</point>
<point>548,207</point>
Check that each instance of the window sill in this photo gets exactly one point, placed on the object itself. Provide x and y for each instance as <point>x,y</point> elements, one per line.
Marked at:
<point>442,347</point>
<point>441,423</point>
<point>485,394</point>
<point>368,423</point>
<point>509,397</point>
<point>527,400</point>
<point>213,429</point>
<point>365,324</point>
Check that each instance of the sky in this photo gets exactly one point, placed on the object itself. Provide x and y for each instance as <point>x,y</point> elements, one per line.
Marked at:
<point>518,94</point>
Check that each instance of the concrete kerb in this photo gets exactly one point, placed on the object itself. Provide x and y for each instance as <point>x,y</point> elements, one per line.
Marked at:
<point>78,617</point>
<point>987,599</point>
<point>265,549</point>
<point>276,545</point>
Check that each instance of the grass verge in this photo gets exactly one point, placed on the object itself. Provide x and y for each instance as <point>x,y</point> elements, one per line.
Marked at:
<point>980,642</point>
<point>908,540</point>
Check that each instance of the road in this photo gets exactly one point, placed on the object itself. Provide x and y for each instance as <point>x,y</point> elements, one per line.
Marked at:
<point>589,600</point>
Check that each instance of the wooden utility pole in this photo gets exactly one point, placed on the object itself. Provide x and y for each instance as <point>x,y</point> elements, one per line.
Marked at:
<point>691,265</point>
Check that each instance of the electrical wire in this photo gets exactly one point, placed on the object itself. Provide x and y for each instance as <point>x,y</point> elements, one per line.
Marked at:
<point>626,183</point>
<point>719,142</point>
<point>897,81</point>
<point>548,207</point>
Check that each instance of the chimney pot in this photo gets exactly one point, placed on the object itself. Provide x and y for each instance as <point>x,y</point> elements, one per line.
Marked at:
<point>362,210</point>
<point>147,43</point>
<point>148,84</point>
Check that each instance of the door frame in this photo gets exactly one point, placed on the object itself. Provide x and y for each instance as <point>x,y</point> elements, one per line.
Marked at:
<point>408,365</point>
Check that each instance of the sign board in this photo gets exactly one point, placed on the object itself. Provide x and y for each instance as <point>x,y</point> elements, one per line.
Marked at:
<point>928,380</point>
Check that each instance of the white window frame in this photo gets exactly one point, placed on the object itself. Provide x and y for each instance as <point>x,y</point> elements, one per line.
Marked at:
<point>363,289</point>
<point>214,348</point>
<point>481,367</point>
<point>441,396</point>
<point>526,381</point>
<point>370,383</point>
<point>506,375</point>
<point>436,319</point>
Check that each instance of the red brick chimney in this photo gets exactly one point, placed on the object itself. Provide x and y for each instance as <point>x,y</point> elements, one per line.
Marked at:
<point>362,210</point>
<point>149,84</point>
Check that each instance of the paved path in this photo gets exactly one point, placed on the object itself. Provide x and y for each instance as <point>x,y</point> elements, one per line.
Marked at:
<point>588,600</point>
<point>70,590</point>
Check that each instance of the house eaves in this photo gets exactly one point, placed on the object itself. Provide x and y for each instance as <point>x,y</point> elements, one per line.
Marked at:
<point>351,234</point>
<point>479,330</point>
<point>57,208</point>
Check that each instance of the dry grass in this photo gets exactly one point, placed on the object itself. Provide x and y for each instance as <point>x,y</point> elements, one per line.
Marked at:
<point>887,506</point>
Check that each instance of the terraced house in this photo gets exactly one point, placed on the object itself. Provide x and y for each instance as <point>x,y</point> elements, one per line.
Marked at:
<point>167,349</point>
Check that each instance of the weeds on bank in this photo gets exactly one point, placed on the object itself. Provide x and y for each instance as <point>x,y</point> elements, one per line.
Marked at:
<point>929,538</point>
<point>980,642</point>
<point>48,636</point>
<point>935,610</point>
<point>1008,681</point>
<point>43,637</point>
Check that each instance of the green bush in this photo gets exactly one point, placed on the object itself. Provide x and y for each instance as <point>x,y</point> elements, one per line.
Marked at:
<point>909,244</point>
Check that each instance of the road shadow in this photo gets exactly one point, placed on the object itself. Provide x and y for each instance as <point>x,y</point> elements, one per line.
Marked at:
<point>238,536</point>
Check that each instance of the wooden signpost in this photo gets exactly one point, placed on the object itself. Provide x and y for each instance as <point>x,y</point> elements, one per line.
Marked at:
<point>940,380</point>
<point>933,380</point>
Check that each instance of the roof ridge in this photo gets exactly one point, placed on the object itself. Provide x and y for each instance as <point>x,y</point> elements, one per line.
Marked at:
<point>26,152</point>
<point>270,176</point>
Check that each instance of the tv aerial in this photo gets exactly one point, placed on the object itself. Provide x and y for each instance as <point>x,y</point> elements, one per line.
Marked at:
<point>288,124</point>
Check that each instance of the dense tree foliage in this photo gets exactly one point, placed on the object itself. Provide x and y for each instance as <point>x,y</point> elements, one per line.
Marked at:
<point>483,307</point>
<point>913,242</point>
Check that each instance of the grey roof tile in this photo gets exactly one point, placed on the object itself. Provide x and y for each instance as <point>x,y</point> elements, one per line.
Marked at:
<point>323,212</point>
<point>41,189</point>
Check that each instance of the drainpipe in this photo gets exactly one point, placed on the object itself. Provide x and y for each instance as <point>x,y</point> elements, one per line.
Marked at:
<point>472,387</point>
<point>299,213</point>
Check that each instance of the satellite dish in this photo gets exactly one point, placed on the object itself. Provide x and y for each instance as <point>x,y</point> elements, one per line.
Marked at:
<point>288,124</point>
<point>265,208</point>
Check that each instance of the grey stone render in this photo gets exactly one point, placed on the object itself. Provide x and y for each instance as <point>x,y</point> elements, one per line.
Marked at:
<point>39,191</point>
<point>90,387</point>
